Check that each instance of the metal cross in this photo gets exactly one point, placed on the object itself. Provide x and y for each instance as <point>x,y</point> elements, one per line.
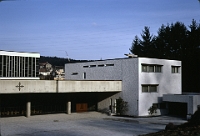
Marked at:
<point>19,86</point>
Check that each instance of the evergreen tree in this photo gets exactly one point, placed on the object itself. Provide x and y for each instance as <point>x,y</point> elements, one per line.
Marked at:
<point>177,42</point>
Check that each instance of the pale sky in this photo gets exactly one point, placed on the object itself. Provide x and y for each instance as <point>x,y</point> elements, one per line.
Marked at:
<point>86,29</point>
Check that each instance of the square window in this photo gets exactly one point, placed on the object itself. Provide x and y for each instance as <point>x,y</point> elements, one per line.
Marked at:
<point>175,69</point>
<point>151,68</point>
<point>144,68</point>
<point>153,88</point>
<point>144,88</point>
<point>158,68</point>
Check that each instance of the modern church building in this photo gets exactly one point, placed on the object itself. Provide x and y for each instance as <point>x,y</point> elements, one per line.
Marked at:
<point>93,86</point>
<point>23,94</point>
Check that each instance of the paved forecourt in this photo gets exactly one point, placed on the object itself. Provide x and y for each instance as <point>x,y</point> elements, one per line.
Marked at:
<point>82,124</point>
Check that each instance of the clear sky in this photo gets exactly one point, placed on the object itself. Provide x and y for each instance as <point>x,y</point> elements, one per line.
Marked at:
<point>86,29</point>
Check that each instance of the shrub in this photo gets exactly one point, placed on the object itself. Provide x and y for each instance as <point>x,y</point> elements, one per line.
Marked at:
<point>152,110</point>
<point>121,106</point>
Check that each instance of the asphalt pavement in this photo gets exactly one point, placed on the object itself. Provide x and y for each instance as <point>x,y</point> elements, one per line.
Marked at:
<point>83,124</point>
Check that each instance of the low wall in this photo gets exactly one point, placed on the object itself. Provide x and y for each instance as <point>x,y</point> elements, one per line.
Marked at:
<point>192,101</point>
<point>52,86</point>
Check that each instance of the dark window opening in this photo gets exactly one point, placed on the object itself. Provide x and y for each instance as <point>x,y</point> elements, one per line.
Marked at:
<point>102,65</point>
<point>92,66</point>
<point>109,65</point>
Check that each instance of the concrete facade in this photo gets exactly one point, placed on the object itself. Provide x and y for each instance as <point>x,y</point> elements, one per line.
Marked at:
<point>129,70</point>
<point>19,65</point>
<point>168,83</point>
<point>46,96</point>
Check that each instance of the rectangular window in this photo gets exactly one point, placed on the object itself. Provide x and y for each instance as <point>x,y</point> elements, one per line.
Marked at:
<point>26,66</point>
<point>37,67</point>
<point>34,67</point>
<point>4,66</point>
<point>144,68</point>
<point>153,88</point>
<point>158,68</point>
<point>21,66</point>
<point>109,65</point>
<point>91,66</point>
<point>30,69</point>
<point>151,68</point>
<point>1,65</point>
<point>85,66</point>
<point>175,69</point>
<point>102,65</point>
<point>75,73</point>
<point>150,88</point>
<point>145,88</point>
<point>16,66</point>
<point>11,66</point>
<point>84,75</point>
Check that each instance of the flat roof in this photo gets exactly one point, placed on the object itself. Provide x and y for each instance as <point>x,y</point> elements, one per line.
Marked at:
<point>21,54</point>
<point>125,58</point>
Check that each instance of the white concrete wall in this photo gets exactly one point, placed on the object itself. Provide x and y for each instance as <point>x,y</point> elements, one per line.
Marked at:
<point>169,83</point>
<point>52,86</point>
<point>124,69</point>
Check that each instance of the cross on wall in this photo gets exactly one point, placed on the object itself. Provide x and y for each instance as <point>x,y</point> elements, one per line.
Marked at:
<point>19,86</point>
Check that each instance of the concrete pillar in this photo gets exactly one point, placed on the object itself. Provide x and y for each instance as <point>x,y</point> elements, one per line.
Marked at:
<point>28,105</point>
<point>28,109</point>
<point>68,107</point>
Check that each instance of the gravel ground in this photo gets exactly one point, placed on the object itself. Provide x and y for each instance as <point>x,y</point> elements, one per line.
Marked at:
<point>83,124</point>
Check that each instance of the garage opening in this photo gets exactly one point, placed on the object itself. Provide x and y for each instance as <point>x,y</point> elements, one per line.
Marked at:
<point>177,109</point>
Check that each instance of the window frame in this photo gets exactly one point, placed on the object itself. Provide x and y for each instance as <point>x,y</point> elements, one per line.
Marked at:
<point>175,69</point>
<point>148,88</point>
<point>157,68</point>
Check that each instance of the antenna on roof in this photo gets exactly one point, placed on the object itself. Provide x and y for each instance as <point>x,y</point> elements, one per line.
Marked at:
<point>67,56</point>
<point>131,55</point>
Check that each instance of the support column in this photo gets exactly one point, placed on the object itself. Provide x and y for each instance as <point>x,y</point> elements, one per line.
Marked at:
<point>28,109</point>
<point>68,107</point>
<point>28,106</point>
